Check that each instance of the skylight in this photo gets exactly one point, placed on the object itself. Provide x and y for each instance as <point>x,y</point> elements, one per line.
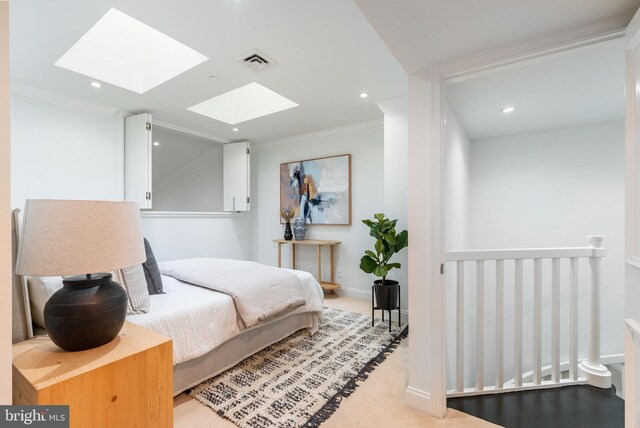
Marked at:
<point>244,103</point>
<point>124,52</point>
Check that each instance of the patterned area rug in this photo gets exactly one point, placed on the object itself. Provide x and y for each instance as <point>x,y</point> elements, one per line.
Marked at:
<point>301,380</point>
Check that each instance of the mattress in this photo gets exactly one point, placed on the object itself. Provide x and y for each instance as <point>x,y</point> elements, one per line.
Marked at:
<point>199,320</point>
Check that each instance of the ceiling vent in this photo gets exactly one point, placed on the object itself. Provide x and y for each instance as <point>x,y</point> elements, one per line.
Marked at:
<point>257,60</point>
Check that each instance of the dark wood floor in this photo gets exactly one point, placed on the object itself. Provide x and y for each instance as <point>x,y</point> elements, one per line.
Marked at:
<point>573,406</point>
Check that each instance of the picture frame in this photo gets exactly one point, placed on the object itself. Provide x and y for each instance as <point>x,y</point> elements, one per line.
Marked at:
<point>318,189</point>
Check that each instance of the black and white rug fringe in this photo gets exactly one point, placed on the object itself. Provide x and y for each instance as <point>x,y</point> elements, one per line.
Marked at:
<point>334,402</point>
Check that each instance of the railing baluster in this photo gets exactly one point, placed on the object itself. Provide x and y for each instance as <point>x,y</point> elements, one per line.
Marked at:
<point>460,328</point>
<point>537,321</point>
<point>555,320</point>
<point>595,373</point>
<point>480,325</point>
<point>517,329</point>
<point>499,323</point>
<point>592,371</point>
<point>573,318</point>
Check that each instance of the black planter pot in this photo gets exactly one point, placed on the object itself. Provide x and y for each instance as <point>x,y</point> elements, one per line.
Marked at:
<point>86,312</point>
<point>387,295</point>
<point>287,232</point>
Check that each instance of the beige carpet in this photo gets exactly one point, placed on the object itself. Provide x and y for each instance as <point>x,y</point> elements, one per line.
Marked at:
<point>378,402</point>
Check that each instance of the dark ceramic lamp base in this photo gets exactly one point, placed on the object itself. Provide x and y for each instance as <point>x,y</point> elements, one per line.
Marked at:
<point>87,312</point>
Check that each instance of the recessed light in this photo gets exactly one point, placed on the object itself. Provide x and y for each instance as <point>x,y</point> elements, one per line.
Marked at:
<point>155,143</point>
<point>509,109</point>
<point>125,52</point>
<point>235,129</point>
<point>96,84</point>
<point>364,95</point>
<point>244,103</point>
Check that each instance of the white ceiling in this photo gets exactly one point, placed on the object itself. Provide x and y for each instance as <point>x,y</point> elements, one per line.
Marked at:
<point>572,88</point>
<point>424,33</point>
<point>327,54</point>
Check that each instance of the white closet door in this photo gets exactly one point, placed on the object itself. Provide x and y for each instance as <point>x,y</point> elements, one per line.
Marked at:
<point>236,177</point>
<point>137,159</point>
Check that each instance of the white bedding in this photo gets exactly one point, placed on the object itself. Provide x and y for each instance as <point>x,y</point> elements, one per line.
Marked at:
<point>260,292</point>
<point>199,319</point>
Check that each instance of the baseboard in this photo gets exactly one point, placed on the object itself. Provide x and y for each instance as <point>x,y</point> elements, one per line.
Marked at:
<point>359,294</point>
<point>356,293</point>
<point>417,399</point>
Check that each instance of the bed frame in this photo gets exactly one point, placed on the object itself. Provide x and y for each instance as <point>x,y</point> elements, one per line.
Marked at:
<point>191,373</point>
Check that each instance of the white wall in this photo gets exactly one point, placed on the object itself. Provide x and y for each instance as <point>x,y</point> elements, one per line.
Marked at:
<point>457,158</point>
<point>62,152</point>
<point>228,236</point>
<point>365,144</point>
<point>5,210</point>
<point>552,189</point>
<point>396,176</point>
<point>426,389</point>
<point>457,167</point>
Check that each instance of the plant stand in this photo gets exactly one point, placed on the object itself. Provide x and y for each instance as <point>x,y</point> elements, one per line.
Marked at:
<point>374,307</point>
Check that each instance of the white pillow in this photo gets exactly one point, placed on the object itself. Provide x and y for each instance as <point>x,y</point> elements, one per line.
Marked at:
<point>40,289</point>
<point>134,281</point>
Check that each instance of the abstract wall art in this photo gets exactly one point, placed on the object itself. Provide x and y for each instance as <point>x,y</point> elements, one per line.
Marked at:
<point>318,190</point>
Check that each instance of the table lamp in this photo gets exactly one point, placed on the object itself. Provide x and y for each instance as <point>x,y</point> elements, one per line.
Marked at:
<point>86,240</point>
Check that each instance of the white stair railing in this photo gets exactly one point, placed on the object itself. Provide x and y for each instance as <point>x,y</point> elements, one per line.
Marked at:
<point>590,371</point>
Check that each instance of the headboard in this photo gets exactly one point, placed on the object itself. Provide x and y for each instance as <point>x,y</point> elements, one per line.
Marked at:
<point>22,326</point>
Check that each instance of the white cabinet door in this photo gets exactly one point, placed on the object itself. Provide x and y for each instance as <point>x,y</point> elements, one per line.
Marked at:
<point>137,159</point>
<point>236,177</point>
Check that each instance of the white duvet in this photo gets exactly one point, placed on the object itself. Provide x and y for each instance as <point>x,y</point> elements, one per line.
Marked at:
<point>260,292</point>
<point>199,319</point>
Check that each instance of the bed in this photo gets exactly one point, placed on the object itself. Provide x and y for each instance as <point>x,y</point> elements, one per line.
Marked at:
<point>203,324</point>
<point>207,339</point>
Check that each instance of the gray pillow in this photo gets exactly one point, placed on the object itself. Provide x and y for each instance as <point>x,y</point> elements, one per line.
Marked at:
<point>151,271</point>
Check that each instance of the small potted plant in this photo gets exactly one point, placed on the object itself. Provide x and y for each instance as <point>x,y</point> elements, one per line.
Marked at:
<point>378,262</point>
<point>287,215</point>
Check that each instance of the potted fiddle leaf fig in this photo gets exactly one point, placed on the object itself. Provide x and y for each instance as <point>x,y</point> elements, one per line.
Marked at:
<point>378,262</point>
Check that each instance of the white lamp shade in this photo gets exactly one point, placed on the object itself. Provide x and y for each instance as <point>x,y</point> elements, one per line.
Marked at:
<point>62,237</point>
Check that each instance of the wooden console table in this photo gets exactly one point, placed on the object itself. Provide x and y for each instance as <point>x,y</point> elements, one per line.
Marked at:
<point>327,286</point>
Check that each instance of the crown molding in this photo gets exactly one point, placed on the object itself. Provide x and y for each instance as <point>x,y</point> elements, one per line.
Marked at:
<point>399,103</point>
<point>190,132</point>
<point>356,128</point>
<point>600,31</point>
<point>59,99</point>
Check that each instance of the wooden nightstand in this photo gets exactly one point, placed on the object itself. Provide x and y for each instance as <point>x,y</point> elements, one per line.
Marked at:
<point>125,383</point>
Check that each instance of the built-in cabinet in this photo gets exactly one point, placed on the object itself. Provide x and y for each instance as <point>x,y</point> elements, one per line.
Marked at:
<point>138,166</point>
<point>138,151</point>
<point>236,161</point>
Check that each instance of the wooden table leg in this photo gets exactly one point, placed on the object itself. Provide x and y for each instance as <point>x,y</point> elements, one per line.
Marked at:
<point>333,274</point>
<point>319,263</point>
<point>293,256</point>
<point>279,255</point>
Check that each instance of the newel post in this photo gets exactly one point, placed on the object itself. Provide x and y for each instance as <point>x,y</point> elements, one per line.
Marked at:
<point>595,373</point>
